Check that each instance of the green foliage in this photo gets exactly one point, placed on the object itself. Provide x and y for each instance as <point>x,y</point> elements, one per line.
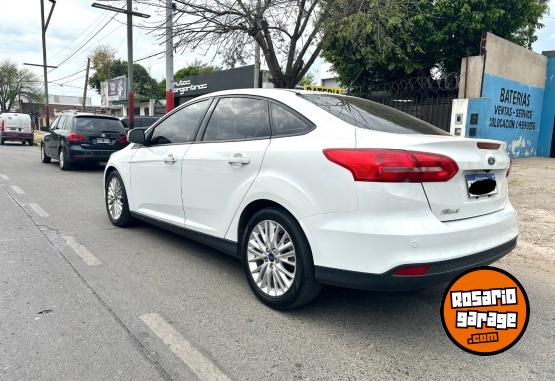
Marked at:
<point>387,40</point>
<point>17,84</point>
<point>307,80</point>
<point>195,68</point>
<point>106,66</point>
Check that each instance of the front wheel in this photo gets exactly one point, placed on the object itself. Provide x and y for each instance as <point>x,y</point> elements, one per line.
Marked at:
<point>43,157</point>
<point>116,201</point>
<point>278,261</point>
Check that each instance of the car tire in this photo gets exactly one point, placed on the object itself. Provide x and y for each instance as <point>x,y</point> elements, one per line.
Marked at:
<point>23,142</point>
<point>31,142</point>
<point>63,161</point>
<point>115,199</point>
<point>2,142</point>
<point>283,267</point>
<point>43,157</point>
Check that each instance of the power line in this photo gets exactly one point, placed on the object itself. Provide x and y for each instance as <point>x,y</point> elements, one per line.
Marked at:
<point>71,75</point>
<point>86,42</point>
<point>76,39</point>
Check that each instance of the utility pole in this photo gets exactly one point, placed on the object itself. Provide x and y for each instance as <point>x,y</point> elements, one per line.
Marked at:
<point>130,94</point>
<point>43,28</point>
<point>86,84</point>
<point>169,56</point>
<point>130,13</point>
<point>257,51</point>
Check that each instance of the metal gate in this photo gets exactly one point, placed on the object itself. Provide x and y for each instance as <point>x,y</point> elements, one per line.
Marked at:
<point>427,98</point>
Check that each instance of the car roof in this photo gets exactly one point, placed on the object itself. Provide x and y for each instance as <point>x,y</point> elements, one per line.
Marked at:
<point>91,114</point>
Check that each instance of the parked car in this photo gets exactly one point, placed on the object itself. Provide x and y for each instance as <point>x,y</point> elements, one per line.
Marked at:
<point>16,127</point>
<point>76,137</point>
<point>312,188</point>
<point>140,121</point>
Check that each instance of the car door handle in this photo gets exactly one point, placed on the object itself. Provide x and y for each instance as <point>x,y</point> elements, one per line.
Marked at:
<point>239,159</point>
<point>170,159</point>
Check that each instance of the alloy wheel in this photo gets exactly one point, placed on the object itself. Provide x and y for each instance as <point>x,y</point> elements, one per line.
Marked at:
<point>62,158</point>
<point>114,198</point>
<point>271,258</point>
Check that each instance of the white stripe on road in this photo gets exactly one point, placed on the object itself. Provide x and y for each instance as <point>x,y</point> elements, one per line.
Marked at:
<point>38,210</point>
<point>199,364</point>
<point>17,189</point>
<point>82,251</point>
<point>4,177</point>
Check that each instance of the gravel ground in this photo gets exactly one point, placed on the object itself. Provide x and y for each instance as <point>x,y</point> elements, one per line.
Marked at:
<point>532,192</point>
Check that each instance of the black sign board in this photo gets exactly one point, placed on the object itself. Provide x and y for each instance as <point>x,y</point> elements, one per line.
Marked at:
<point>196,85</point>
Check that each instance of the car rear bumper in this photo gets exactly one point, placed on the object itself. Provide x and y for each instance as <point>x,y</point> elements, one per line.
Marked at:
<point>376,245</point>
<point>438,272</point>
<point>79,154</point>
<point>16,136</point>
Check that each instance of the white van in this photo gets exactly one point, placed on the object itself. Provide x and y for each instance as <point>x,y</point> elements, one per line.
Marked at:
<point>16,127</point>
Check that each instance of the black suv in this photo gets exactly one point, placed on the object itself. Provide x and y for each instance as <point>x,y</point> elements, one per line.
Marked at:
<point>76,137</point>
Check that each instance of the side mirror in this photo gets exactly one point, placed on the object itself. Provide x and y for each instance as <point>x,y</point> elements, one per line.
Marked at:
<point>136,135</point>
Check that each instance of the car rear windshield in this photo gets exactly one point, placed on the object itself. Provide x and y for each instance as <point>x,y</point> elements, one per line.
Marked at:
<point>371,115</point>
<point>93,124</point>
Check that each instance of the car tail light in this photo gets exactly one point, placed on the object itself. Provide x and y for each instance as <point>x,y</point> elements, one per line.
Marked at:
<point>123,139</point>
<point>389,165</point>
<point>74,137</point>
<point>488,145</point>
<point>412,270</point>
<point>2,126</point>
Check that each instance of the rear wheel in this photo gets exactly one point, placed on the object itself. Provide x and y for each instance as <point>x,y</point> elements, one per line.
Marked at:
<point>1,141</point>
<point>116,201</point>
<point>278,261</point>
<point>43,157</point>
<point>62,160</point>
<point>23,142</point>
<point>31,142</point>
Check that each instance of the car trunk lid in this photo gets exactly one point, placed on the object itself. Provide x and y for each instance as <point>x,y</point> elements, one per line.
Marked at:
<point>466,194</point>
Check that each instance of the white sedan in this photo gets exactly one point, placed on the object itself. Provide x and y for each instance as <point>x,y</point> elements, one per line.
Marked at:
<point>312,188</point>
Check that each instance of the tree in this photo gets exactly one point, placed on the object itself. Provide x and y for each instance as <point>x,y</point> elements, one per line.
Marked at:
<point>307,80</point>
<point>386,40</point>
<point>195,68</point>
<point>17,84</point>
<point>289,32</point>
<point>102,59</point>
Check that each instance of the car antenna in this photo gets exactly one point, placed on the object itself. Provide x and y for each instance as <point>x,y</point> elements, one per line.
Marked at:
<point>350,87</point>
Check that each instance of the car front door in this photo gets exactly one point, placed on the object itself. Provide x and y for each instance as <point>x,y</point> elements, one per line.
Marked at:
<point>51,139</point>
<point>156,167</point>
<point>219,169</point>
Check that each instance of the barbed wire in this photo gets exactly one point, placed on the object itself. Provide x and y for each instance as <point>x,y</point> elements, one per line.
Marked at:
<point>417,86</point>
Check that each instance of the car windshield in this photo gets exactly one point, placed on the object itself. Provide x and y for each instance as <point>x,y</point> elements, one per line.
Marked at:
<point>91,124</point>
<point>371,115</point>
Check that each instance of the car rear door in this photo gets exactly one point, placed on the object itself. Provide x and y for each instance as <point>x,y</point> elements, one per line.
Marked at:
<point>219,169</point>
<point>156,168</point>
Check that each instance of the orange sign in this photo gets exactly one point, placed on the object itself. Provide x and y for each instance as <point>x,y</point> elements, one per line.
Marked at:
<point>485,311</point>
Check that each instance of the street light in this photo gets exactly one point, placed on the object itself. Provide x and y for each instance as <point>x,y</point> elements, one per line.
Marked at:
<point>130,13</point>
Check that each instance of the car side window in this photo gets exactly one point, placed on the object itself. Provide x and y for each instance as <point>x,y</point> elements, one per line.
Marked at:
<point>54,124</point>
<point>181,126</point>
<point>61,123</point>
<point>286,123</point>
<point>67,123</point>
<point>238,119</point>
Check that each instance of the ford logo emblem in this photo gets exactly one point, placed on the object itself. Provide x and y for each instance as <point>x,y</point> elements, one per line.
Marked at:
<point>491,161</point>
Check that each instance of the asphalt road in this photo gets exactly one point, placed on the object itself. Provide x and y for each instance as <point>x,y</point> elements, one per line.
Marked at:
<point>145,304</point>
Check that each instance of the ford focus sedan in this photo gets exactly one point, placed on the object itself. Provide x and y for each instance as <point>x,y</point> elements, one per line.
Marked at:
<point>312,188</point>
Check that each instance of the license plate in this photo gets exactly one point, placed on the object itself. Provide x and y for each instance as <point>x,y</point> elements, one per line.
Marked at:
<point>103,141</point>
<point>481,184</point>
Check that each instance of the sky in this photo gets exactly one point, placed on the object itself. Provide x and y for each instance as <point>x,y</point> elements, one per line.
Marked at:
<point>74,21</point>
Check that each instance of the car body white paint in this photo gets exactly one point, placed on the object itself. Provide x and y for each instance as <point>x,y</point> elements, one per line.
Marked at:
<point>366,227</point>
